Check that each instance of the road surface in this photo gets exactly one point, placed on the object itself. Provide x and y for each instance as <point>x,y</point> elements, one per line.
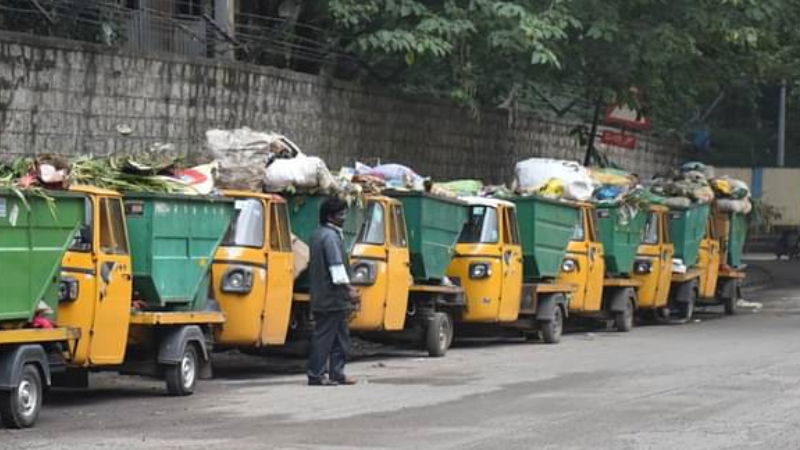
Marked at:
<point>719,382</point>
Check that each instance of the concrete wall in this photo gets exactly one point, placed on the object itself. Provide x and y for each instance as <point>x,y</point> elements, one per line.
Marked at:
<point>779,187</point>
<point>69,97</point>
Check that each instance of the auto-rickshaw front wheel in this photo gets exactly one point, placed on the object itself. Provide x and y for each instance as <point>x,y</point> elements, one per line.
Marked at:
<point>181,378</point>
<point>19,407</point>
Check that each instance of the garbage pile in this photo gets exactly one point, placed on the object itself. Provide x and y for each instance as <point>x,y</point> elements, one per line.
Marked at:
<point>568,180</point>
<point>695,182</point>
<point>271,162</point>
<point>152,170</point>
<point>691,183</point>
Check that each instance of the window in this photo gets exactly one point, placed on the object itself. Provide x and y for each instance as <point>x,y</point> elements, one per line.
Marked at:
<point>481,226</point>
<point>247,226</point>
<point>579,234</point>
<point>374,227</point>
<point>512,222</point>
<point>82,241</point>
<point>113,239</point>
<point>651,229</point>
<point>399,238</point>
<point>279,238</point>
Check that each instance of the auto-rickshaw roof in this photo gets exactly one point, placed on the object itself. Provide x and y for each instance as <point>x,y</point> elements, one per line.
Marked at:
<point>92,190</point>
<point>486,201</point>
<point>249,194</point>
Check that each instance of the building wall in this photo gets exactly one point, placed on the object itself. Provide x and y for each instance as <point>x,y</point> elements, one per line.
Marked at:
<point>69,97</point>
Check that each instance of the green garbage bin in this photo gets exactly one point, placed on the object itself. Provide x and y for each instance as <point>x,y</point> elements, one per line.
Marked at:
<point>687,228</point>
<point>620,230</point>
<point>433,224</point>
<point>736,238</point>
<point>173,239</point>
<point>304,217</point>
<point>545,227</point>
<point>33,240</point>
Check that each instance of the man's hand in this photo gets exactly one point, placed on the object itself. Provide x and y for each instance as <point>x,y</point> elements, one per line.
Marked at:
<point>353,295</point>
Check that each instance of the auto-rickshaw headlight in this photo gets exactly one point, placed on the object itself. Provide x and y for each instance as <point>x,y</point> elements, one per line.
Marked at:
<point>642,266</point>
<point>480,270</point>
<point>363,273</point>
<point>238,280</point>
<point>569,265</point>
<point>68,289</point>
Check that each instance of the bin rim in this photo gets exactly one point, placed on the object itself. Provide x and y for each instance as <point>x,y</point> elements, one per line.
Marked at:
<point>554,201</point>
<point>686,208</point>
<point>396,193</point>
<point>58,193</point>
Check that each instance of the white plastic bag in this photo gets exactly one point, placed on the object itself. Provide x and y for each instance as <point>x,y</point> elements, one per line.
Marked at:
<point>300,172</point>
<point>735,206</point>
<point>533,173</point>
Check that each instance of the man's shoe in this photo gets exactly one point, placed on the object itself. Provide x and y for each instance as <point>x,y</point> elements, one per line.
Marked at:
<point>346,381</point>
<point>322,382</point>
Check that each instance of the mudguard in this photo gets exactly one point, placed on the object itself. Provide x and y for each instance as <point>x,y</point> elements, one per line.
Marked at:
<point>14,359</point>
<point>683,292</point>
<point>173,342</point>
<point>545,310</point>
<point>728,289</point>
<point>619,298</point>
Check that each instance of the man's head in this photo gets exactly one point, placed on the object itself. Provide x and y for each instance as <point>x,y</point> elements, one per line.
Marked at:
<point>333,210</point>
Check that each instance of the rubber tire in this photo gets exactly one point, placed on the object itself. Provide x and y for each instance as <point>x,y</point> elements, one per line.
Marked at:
<point>551,330</point>
<point>730,303</point>
<point>684,310</point>
<point>173,373</point>
<point>623,321</point>
<point>10,412</point>
<point>439,334</point>
<point>730,306</point>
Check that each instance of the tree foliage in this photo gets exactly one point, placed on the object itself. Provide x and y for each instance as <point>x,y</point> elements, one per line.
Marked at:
<point>666,57</point>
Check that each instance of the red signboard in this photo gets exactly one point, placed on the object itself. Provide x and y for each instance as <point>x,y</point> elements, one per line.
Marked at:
<point>618,139</point>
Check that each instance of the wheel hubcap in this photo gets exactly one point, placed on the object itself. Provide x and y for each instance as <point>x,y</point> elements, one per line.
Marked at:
<point>27,396</point>
<point>187,371</point>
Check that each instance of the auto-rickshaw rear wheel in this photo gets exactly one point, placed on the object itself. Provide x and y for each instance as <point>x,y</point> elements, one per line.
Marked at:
<point>439,334</point>
<point>623,320</point>
<point>551,329</point>
<point>19,407</point>
<point>730,303</point>
<point>181,378</point>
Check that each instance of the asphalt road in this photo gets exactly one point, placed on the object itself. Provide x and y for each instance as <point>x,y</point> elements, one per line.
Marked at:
<point>717,383</point>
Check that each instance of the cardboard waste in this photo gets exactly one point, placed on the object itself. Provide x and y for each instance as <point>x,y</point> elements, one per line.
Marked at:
<point>244,154</point>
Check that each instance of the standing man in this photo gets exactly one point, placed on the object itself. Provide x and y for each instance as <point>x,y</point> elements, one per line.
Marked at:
<point>332,297</point>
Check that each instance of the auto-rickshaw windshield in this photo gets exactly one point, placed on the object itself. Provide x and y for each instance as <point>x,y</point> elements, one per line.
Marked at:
<point>481,226</point>
<point>247,227</point>
<point>82,241</point>
<point>373,230</point>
